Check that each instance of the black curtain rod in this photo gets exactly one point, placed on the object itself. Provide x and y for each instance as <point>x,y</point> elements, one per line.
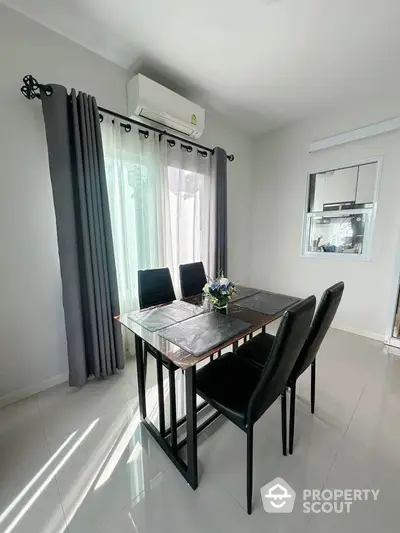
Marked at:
<point>31,90</point>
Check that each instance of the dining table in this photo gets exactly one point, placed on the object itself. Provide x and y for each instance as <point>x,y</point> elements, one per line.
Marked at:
<point>181,335</point>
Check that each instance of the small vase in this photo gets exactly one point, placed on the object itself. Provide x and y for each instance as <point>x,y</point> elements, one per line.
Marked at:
<point>223,309</point>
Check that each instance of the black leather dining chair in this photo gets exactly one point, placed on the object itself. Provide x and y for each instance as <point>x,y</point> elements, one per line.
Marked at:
<point>258,348</point>
<point>243,391</point>
<point>155,288</point>
<point>192,278</point>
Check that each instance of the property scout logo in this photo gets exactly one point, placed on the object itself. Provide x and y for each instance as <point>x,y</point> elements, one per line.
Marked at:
<point>279,497</point>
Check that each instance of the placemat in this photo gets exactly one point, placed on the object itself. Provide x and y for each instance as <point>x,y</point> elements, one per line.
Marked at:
<point>160,317</point>
<point>202,333</point>
<point>243,292</point>
<point>268,303</point>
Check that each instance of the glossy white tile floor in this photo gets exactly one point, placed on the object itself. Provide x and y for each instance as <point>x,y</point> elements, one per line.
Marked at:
<point>78,461</point>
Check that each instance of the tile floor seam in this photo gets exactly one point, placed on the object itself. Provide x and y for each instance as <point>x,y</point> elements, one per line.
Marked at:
<point>62,506</point>
<point>340,444</point>
<point>50,454</point>
<point>338,450</point>
<point>106,524</point>
<point>97,415</point>
<point>242,507</point>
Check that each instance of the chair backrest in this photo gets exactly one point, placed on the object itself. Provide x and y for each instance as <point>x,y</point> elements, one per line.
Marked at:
<point>288,342</point>
<point>193,278</point>
<point>155,287</point>
<point>322,320</point>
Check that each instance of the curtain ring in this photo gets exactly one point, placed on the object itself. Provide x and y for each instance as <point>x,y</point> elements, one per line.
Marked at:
<point>127,127</point>
<point>101,118</point>
<point>145,133</point>
<point>230,157</point>
<point>48,90</point>
<point>171,142</point>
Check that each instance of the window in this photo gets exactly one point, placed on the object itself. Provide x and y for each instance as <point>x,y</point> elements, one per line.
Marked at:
<point>340,212</point>
<point>190,216</point>
<point>162,206</point>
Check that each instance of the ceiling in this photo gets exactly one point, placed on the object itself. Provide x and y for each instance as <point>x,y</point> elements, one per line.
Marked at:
<point>263,63</point>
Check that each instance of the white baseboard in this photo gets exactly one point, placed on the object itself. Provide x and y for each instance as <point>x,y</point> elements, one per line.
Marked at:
<point>21,394</point>
<point>363,332</point>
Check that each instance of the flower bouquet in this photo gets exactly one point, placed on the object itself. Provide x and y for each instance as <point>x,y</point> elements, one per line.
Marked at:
<point>219,291</point>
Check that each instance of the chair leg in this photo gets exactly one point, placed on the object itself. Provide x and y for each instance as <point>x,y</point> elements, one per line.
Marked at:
<point>313,368</point>
<point>292,416</point>
<point>249,469</point>
<point>284,423</point>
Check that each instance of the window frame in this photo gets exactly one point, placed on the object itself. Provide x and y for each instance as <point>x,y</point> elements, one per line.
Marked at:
<point>366,255</point>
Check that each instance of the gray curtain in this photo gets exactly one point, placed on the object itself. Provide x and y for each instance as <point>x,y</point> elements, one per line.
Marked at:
<point>221,251</point>
<point>89,283</point>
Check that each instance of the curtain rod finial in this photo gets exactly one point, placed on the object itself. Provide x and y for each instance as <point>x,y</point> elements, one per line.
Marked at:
<point>31,88</point>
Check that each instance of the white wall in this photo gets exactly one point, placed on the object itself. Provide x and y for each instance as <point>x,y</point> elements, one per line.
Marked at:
<point>32,334</point>
<point>282,162</point>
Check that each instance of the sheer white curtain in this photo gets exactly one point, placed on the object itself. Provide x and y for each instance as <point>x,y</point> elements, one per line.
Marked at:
<point>190,228</point>
<point>162,205</point>
<point>137,193</point>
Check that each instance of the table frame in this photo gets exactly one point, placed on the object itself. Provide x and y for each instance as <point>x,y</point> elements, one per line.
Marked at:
<point>162,435</point>
<point>189,470</point>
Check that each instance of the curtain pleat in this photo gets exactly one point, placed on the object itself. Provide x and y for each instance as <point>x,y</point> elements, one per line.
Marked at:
<point>90,294</point>
<point>220,173</point>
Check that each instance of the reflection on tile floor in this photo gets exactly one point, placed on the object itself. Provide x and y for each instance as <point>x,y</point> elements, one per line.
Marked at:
<point>78,461</point>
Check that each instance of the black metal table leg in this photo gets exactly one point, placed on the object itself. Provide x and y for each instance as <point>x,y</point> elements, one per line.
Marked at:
<point>172,408</point>
<point>168,438</point>
<point>191,429</point>
<point>182,421</point>
<point>160,386</point>
<point>140,376</point>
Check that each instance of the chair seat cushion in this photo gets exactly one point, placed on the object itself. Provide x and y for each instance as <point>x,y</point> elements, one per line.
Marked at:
<point>227,384</point>
<point>257,349</point>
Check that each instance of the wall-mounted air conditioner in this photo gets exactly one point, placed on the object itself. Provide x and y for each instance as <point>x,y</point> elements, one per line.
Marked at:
<point>164,108</point>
